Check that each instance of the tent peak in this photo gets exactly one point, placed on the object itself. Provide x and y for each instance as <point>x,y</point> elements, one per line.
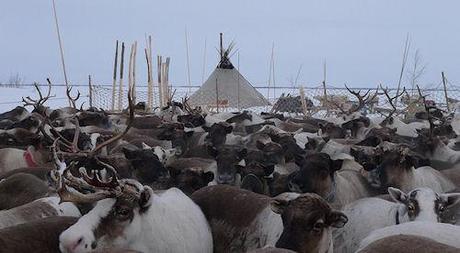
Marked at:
<point>225,62</point>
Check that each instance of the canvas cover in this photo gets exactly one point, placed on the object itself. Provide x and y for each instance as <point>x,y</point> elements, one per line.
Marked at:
<point>228,88</point>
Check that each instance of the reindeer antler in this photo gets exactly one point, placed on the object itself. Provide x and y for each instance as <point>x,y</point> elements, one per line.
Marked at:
<point>73,100</point>
<point>362,99</point>
<point>428,112</point>
<point>391,99</point>
<point>36,103</point>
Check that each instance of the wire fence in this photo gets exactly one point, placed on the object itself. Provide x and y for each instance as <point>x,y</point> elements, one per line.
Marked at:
<point>314,96</point>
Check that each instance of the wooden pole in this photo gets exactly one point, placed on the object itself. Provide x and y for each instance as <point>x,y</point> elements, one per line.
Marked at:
<point>150,90</point>
<point>221,45</point>
<point>133,87</point>
<point>445,90</point>
<point>120,88</point>
<point>114,84</point>
<point>204,62</point>
<point>160,85</point>
<point>61,48</point>
<point>217,97</point>
<point>326,104</point>
<point>302,100</point>
<point>188,63</point>
<point>403,65</point>
<point>238,100</point>
<point>130,69</point>
<point>168,60</point>
<point>90,88</point>
<point>270,74</point>
<point>273,70</point>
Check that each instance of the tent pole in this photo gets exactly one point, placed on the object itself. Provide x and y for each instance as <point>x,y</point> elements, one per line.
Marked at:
<point>221,46</point>
<point>238,101</point>
<point>217,97</point>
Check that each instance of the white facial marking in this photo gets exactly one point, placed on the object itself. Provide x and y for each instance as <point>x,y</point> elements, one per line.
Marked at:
<point>426,198</point>
<point>79,237</point>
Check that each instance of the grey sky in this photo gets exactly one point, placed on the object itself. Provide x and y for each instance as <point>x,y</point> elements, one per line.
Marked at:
<point>362,40</point>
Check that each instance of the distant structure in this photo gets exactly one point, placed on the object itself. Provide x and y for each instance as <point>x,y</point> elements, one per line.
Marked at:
<point>226,87</point>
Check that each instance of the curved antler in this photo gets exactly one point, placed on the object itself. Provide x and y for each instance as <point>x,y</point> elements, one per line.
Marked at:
<point>362,99</point>
<point>73,100</point>
<point>391,99</point>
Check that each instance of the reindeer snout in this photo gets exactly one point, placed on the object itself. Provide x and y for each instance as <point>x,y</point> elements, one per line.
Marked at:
<point>72,246</point>
<point>225,179</point>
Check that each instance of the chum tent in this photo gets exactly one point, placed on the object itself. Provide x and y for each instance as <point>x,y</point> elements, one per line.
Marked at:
<point>226,87</point>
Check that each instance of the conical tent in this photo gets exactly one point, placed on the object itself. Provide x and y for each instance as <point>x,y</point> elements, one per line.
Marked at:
<point>226,87</point>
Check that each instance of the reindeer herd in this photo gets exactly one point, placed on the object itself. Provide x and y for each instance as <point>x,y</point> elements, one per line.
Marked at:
<point>183,180</point>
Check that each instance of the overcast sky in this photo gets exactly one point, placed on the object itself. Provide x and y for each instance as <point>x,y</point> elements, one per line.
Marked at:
<point>361,40</point>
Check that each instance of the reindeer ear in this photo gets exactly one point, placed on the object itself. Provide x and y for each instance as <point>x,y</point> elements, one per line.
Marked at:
<point>145,146</point>
<point>451,199</point>
<point>145,201</point>
<point>208,176</point>
<point>252,183</point>
<point>189,134</point>
<point>228,129</point>
<point>279,205</point>
<point>397,195</point>
<point>336,164</point>
<point>129,154</point>
<point>173,171</point>
<point>281,202</point>
<point>260,145</point>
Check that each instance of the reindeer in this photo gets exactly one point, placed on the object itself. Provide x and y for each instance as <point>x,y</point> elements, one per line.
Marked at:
<point>130,215</point>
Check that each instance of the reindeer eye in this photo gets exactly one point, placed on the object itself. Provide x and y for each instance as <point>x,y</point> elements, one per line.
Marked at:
<point>411,207</point>
<point>318,227</point>
<point>442,209</point>
<point>122,212</point>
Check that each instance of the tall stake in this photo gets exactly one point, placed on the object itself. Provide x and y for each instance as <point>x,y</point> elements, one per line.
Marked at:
<point>133,87</point>
<point>188,62</point>
<point>114,84</point>
<point>130,69</point>
<point>160,84</point>
<point>324,88</point>
<point>445,90</point>
<point>90,88</point>
<point>61,48</point>
<point>403,65</point>
<point>204,62</point>
<point>148,58</point>
<point>217,97</point>
<point>238,101</point>
<point>270,75</point>
<point>120,88</point>
<point>273,70</point>
<point>221,45</point>
<point>166,78</point>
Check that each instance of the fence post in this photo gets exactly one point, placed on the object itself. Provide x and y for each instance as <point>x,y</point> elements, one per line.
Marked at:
<point>90,87</point>
<point>445,90</point>
<point>114,84</point>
